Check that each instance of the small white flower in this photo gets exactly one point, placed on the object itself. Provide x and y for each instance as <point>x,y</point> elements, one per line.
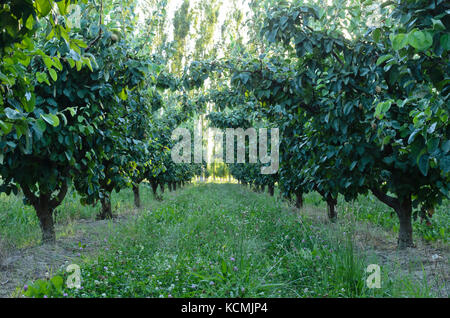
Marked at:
<point>435,257</point>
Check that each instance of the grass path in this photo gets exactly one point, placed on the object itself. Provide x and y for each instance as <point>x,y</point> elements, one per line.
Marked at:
<point>222,240</point>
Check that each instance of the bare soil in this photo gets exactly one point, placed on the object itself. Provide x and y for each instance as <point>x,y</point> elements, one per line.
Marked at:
<point>85,240</point>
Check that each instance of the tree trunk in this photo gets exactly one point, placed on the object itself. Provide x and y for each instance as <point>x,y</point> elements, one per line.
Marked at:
<point>154,189</point>
<point>161,186</point>
<point>405,238</point>
<point>331,208</point>
<point>271,189</point>
<point>403,208</point>
<point>106,212</point>
<point>170,186</point>
<point>174,186</point>
<point>298,199</point>
<point>137,197</point>
<point>45,215</point>
<point>44,206</point>
<point>263,188</point>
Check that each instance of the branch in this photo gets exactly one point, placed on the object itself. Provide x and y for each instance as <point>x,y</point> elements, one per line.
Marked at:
<point>60,197</point>
<point>337,58</point>
<point>388,200</point>
<point>30,195</point>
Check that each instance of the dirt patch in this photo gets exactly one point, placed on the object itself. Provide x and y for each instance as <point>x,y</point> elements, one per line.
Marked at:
<point>427,262</point>
<point>78,240</point>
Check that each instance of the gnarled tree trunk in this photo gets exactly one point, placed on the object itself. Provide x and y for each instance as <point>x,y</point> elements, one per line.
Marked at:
<point>137,196</point>
<point>403,208</point>
<point>44,206</point>
<point>45,215</point>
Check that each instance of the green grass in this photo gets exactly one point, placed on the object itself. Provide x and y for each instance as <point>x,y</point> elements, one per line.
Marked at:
<point>216,240</point>
<point>19,225</point>
<point>223,240</point>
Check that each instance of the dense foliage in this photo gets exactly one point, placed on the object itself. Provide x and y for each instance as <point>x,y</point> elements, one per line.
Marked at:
<point>88,101</point>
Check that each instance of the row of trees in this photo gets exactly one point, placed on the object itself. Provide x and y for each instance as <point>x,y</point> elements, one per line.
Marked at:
<point>88,102</point>
<point>81,106</point>
<point>360,109</point>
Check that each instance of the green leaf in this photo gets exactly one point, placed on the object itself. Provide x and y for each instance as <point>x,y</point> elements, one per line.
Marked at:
<point>5,127</point>
<point>12,113</point>
<point>445,164</point>
<point>420,40</point>
<point>30,22</point>
<point>62,7</point>
<point>446,146</point>
<point>412,136</point>
<point>7,80</point>
<point>43,7</point>
<point>399,41</point>
<point>72,111</point>
<point>51,119</point>
<point>445,41</point>
<point>423,164</point>
<point>123,94</point>
<point>48,62</point>
<point>432,144</point>
<point>58,282</point>
<point>384,58</point>
<point>376,34</point>
<point>30,103</point>
<point>432,128</point>
<point>438,25</point>
<point>42,77</point>
<point>53,74</point>
<point>382,108</point>
<point>40,124</point>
